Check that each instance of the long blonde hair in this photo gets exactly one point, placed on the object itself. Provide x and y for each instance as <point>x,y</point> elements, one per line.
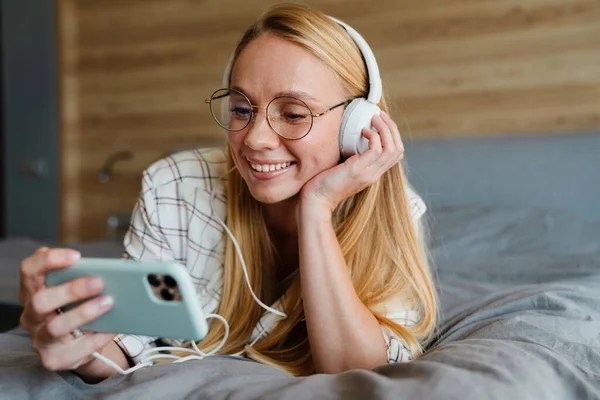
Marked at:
<point>384,251</point>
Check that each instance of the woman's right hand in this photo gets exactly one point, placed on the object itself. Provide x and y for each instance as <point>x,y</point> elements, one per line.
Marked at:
<point>51,332</point>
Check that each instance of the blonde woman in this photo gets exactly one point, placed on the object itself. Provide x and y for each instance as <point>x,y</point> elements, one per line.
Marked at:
<point>332,242</point>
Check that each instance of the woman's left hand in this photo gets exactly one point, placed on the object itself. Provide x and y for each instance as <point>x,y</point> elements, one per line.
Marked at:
<point>331,187</point>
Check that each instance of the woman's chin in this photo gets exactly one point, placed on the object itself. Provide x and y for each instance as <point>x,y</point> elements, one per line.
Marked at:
<point>271,195</point>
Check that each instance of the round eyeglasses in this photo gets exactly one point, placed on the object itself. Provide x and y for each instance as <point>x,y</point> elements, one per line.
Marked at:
<point>289,117</point>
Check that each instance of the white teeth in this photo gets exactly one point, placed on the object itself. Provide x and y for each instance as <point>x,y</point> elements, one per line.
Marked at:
<point>269,167</point>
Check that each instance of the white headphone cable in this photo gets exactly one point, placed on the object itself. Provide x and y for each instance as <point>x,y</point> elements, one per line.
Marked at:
<point>147,357</point>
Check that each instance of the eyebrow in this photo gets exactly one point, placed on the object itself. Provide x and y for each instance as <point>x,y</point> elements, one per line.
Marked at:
<point>290,93</point>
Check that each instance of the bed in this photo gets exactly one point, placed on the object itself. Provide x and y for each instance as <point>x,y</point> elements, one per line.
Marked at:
<point>518,272</point>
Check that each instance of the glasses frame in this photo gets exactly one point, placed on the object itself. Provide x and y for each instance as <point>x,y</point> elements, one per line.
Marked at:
<point>254,111</point>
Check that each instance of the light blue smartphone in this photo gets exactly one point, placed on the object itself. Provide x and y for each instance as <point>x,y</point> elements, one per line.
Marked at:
<point>150,298</point>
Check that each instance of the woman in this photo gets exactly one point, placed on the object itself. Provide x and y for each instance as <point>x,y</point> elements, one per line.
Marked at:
<point>334,243</point>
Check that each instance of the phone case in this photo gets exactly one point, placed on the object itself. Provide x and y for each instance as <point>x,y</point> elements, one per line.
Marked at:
<point>150,298</point>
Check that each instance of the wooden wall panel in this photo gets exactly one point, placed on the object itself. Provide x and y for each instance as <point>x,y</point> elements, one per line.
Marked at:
<point>134,74</point>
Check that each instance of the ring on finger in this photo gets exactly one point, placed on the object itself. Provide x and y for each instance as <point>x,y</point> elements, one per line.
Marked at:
<point>77,333</point>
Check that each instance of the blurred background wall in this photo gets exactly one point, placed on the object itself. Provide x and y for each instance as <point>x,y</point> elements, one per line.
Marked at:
<point>132,76</point>
<point>29,171</point>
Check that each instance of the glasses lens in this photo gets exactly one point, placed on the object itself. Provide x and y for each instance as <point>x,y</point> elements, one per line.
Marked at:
<point>231,109</point>
<point>290,117</point>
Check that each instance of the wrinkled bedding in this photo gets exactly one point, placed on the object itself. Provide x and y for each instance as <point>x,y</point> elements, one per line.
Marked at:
<point>520,297</point>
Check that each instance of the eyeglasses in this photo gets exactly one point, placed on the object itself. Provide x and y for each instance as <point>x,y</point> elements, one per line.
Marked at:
<point>289,117</point>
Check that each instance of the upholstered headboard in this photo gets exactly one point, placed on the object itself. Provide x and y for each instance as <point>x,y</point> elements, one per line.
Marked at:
<point>557,172</point>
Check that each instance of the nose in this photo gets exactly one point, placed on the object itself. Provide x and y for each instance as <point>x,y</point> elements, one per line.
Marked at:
<point>260,135</point>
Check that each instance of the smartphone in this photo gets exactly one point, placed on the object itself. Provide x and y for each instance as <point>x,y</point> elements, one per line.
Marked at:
<point>150,298</point>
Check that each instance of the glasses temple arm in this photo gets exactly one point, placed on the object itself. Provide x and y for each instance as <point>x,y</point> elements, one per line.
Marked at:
<point>343,103</point>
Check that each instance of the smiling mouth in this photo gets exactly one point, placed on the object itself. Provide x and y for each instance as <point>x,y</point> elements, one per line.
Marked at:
<point>270,167</point>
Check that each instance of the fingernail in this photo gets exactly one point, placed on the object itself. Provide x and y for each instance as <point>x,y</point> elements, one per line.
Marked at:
<point>93,284</point>
<point>72,256</point>
<point>105,302</point>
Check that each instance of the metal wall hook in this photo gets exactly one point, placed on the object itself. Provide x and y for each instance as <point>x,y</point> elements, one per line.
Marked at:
<point>106,171</point>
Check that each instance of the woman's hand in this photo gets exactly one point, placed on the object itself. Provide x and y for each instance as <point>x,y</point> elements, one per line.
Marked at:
<point>331,187</point>
<point>51,333</point>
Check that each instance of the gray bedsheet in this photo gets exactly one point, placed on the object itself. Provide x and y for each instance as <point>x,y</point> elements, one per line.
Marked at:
<point>520,291</point>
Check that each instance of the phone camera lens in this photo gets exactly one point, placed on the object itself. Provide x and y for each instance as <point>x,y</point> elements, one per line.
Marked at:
<point>166,294</point>
<point>169,281</point>
<point>153,280</point>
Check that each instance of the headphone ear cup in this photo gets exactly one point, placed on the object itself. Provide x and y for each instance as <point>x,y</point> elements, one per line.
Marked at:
<point>358,115</point>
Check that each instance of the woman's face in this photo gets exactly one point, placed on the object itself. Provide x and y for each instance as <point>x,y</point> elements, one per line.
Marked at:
<point>269,67</point>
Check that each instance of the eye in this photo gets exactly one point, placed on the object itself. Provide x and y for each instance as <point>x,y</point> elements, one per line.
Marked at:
<point>294,117</point>
<point>240,112</point>
<point>294,113</point>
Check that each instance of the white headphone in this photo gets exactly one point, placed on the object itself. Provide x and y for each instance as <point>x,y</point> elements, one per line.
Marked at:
<point>360,111</point>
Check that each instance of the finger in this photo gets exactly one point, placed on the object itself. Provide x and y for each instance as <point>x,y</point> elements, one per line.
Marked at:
<point>73,353</point>
<point>30,320</point>
<point>379,161</point>
<point>44,303</point>
<point>49,299</point>
<point>395,132</point>
<point>387,142</point>
<point>370,156</point>
<point>23,290</point>
<point>34,268</point>
<point>62,324</point>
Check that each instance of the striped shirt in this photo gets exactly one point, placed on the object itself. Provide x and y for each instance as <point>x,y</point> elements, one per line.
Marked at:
<point>175,219</point>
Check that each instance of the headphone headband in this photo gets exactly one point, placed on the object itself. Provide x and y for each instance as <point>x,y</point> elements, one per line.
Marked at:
<point>375,85</point>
